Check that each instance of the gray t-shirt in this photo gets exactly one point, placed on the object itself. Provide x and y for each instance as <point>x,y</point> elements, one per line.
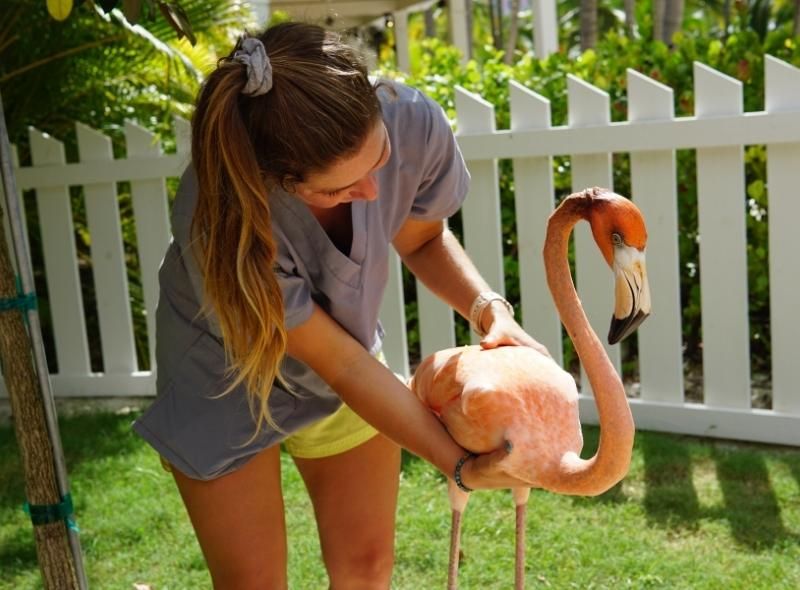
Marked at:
<point>205,435</point>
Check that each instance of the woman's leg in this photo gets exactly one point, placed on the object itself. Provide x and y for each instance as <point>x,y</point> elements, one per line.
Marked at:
<point>355,498</point>
<point>239,522</point>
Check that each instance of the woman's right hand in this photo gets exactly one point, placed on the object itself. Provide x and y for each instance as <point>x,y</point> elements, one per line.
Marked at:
<point>487,471</point>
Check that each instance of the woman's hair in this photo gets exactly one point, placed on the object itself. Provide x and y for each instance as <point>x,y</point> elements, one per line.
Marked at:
<point>319,110</point>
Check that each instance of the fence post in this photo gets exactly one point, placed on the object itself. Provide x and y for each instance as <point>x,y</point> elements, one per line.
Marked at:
<point>589,107</point>
<point>534,201</point>
<point>61,261</point>
<point>151,212</point>
<point>108,259</point>
<point>480,215</point>
<point>723,243</point>
<point>653,184</point>
<point>783,93</point>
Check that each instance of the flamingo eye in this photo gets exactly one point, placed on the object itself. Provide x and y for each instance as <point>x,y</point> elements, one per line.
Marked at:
<point>616,239</point>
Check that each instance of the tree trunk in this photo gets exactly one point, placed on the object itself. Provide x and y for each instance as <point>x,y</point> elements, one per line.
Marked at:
<point>659,9</point>
<point>496,22</point>
<point>673,19</point>
<point>30,426</point>
<point>511,43</point>
<point>630,17</point>
<point>588,24</point>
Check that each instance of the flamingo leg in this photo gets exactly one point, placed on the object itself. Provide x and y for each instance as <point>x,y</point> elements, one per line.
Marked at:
<point>521,501</point>
<point>455,548</point>
<point>458,502</point>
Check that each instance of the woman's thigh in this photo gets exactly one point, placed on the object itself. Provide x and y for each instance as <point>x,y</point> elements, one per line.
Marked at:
<point>239,522</point>
<point>355,499</point>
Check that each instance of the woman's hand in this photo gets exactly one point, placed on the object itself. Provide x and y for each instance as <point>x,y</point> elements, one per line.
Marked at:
<point>486,471</point>
<point>503,330</point>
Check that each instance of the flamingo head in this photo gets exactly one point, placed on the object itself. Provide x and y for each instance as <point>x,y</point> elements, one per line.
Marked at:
<point>619,231</point>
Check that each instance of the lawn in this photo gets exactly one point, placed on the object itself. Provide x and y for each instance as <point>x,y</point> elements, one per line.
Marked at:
<point>692,514</point>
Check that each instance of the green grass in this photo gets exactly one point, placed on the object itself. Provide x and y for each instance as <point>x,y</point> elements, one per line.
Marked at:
<point>692,514</point>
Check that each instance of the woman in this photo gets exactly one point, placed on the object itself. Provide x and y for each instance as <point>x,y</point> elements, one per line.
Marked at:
<point>303,173</point>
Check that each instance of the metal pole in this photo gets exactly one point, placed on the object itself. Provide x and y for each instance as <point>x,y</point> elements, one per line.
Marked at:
<point>26,277</point>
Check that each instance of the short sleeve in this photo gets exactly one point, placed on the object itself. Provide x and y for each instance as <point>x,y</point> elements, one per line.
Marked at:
<point>445,179</point>
<point>297,303</point>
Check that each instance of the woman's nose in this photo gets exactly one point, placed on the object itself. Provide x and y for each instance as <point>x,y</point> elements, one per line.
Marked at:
<point>366,189</point>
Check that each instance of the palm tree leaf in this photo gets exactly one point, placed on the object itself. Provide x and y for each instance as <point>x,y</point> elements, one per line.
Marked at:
<point>177,19</point>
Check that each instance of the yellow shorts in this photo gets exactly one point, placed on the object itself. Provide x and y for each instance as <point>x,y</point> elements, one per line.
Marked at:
<point>341,431</point>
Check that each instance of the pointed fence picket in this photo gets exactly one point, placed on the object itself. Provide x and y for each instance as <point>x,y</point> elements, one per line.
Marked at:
<point>480,214</point>
<point>653,176</point>
<point>534,201</point>
<point>783,95</point>
<point>61,262</point>
<point>108,259</point>
<point>723,259</point>
<point>717,135</point>
<point>589,107</point>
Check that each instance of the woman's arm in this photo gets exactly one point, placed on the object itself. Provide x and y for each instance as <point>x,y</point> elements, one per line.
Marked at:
<point>380,398</point>
<point>434,255</point>
<point>371,389</point>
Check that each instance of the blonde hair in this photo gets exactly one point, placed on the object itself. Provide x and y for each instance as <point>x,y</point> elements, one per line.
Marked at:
<point>320,109</point>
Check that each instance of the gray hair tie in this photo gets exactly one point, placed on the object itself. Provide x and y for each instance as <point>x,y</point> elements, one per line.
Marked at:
<point>251,53</point>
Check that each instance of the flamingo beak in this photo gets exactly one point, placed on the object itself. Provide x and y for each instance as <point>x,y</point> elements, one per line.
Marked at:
<point>632,293</point>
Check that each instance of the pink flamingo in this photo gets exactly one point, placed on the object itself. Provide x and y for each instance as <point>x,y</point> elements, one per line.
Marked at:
<point>486,397</point>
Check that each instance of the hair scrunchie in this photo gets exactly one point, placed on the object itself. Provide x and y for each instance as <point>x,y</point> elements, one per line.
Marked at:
<point>251,52</point>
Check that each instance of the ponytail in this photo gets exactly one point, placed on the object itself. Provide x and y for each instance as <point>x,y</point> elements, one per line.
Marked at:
<point>232,225</point>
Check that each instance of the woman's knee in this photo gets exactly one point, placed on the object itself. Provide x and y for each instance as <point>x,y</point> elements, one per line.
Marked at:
<point>367,568</point>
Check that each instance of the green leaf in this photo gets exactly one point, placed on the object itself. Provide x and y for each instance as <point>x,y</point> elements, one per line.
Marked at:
<point>59,9</point>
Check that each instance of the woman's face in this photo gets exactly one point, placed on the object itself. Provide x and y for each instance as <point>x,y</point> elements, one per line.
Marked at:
<point>349,179</point>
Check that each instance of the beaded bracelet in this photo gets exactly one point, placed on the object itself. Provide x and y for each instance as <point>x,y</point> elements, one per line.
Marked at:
<point>482,301</point>
<point>457,472</point>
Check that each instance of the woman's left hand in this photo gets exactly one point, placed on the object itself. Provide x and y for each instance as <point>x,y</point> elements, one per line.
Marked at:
<point>505,331</point>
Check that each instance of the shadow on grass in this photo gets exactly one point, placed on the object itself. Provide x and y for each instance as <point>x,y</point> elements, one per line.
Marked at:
<point>751,506</point>
<point>749,503</point>
<point>670,498</point>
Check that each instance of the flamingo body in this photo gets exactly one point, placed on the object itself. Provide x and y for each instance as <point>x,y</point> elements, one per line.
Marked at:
<point>510,393</point>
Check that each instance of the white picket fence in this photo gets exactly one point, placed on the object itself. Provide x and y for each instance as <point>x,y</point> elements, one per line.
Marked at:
<point>651,136</point>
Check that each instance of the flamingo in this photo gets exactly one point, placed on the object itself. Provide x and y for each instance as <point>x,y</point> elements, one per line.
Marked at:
<point>515,394</point>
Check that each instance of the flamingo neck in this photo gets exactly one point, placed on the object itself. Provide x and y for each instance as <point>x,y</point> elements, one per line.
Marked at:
<point>611,462</point>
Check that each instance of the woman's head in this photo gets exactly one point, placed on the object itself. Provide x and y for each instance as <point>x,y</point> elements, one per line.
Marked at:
<point>305,108</point>
<point>319,109</point>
